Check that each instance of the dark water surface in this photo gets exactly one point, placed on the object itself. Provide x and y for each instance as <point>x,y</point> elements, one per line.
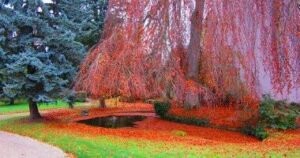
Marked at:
<point>113,121</point>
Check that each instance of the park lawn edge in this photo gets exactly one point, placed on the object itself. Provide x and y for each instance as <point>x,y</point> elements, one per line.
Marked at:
<point>113,146</point>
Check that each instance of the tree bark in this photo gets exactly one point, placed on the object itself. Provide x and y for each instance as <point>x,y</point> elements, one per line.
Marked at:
<point>34,111</point>
<point>71,105</point>
<point>192,98</point>
<point>194,49</point>
<point>11,101</point>
<point>102,102</point>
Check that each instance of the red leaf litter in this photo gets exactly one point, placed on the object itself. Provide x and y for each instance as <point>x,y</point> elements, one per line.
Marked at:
<point>218,116</point>
<point>155,129</point>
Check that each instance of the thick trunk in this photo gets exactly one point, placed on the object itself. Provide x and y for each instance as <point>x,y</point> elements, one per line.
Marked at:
<point>194,49</point>
<point>11,101</point>
<point>33,109</point>
<point>102,103</point>
<point>71,105</point>
<point>192,98</point>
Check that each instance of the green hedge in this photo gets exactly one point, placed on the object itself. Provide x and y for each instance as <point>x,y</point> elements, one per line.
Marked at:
<point>162,108</point>
<point>186,120</point>
<point>256,131</point>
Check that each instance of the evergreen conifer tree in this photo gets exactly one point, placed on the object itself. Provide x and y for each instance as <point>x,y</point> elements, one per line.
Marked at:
<point>41,57</point>
<point>42,45</point>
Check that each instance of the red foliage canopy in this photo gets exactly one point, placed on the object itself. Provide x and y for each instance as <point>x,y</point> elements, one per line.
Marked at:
<point>194,50</point>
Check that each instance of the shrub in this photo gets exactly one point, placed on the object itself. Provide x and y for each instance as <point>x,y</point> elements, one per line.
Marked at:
<point>296,108</point>
<point>293,104</point>
<point>256,131</point>
<point>273,114</point>
<point>162,108</point>
<point>179,133</point>
<point>187,120</point>
<point>80,96</point>
<point>277,114</point>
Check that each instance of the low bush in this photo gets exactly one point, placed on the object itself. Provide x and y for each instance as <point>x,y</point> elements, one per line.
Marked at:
<point>186,120</point>
<point>179,133</point>
<point>273,114</point>
<point>162,108</point>
<point>277,114</point>
<point>256,131</point>
<point>296,108</point>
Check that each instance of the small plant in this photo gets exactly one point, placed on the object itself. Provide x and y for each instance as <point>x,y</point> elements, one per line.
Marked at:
<point>256,131</point>
<point>162,108</point>
<point>84,112</point>
<point>179,133</point>
<point>80,96</point>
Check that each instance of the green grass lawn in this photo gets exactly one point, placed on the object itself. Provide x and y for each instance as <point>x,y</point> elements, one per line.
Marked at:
<point>88,146</point>
<point>22,106</point>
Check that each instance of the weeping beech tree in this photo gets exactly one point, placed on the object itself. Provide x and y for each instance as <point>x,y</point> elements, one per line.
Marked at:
<point>195,51</point>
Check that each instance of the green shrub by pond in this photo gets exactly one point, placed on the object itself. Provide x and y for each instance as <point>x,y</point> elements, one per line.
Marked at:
<point>277,114</point>
<point>162,108</point>
<point>186,120</point>
<point>273,114</point>
<point>256,131</point>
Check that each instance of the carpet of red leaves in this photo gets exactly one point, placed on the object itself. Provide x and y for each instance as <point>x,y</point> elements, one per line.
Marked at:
<point>156,129</point>
<point>218,116</point>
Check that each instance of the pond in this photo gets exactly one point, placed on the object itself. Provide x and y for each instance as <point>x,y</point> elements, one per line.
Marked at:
<point>113,121</point>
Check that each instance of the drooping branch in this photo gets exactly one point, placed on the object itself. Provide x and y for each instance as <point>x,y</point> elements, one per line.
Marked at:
<point>194,51</point>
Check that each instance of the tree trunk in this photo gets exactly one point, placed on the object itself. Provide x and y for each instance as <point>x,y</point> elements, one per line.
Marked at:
<point>11,101</point>
<point>71,106</point>
<point>194,50</point>
<point>102,102</point>
<point>34,111</point>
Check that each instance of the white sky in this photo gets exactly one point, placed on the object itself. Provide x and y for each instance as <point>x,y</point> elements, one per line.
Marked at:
<point>47,1</point>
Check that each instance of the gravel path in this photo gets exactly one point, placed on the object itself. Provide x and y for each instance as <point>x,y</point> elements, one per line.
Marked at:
<point>8,116</point>
<point>15,146</point>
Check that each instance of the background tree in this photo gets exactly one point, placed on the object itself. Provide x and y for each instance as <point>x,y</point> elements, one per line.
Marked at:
<point>5,34</point>
<point>83,17</point>
<point>41,57</point>
<point>2,59</point>
<point>86,18</point>
<point>42,44</point>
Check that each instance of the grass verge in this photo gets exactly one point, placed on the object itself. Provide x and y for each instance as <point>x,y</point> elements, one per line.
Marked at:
<point>89,146</point>
<point>22,106</point>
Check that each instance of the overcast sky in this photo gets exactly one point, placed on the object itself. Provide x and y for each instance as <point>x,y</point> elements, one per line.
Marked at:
<point>47,1</point>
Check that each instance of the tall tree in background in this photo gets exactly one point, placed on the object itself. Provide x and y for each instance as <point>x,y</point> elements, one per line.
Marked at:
<point>2,59</point>
<point>6,33</point>
<point>40,49</point>
<point>83,17</point>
